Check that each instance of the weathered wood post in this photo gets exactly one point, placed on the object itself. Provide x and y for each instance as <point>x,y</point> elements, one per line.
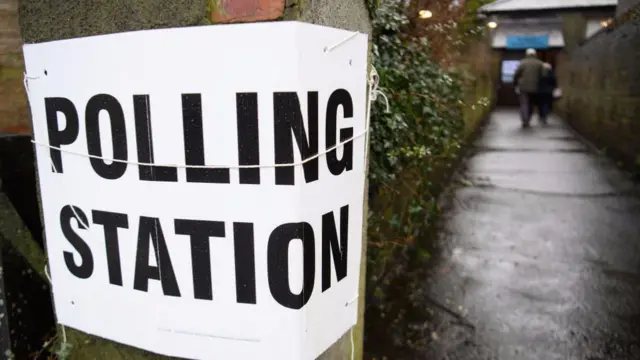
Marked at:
<point>48,20</point>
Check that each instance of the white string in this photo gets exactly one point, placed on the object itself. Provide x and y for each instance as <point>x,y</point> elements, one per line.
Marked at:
<point>295,163</point>
<point>373,82</point>
<point>374,92</point>
<point>331,48</point>
<point>26,80</point>
<point>351,301</point>
<point>46,272</point>
<point>64,331</point>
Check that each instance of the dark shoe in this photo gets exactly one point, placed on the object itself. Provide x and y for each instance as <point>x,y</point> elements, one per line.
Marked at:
<point>525,125</point>
<point>543,120</point>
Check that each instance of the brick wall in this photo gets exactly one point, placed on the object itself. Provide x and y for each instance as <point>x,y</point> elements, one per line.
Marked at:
<point>13,102</point>
<point>601,83</point>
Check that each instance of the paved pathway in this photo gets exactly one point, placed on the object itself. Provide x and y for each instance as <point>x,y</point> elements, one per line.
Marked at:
<point>539,258</point>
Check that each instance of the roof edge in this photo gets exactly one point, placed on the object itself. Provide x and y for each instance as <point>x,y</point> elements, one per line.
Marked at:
<point>486,9</point>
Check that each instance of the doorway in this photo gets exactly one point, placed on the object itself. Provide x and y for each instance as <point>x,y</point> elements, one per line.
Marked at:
<point>510,59</point>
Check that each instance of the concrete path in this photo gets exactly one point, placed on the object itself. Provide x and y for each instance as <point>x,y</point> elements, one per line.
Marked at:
<point>538,258</point>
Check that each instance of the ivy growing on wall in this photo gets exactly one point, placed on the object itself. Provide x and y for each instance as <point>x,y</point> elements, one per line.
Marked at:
<point>413,145</point>
<point>416,137</point>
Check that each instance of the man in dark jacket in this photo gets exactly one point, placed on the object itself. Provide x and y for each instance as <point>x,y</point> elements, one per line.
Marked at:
<point>527,78</point>
<point>548,84</point>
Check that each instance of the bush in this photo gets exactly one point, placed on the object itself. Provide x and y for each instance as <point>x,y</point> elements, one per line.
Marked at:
<point>411,144</point>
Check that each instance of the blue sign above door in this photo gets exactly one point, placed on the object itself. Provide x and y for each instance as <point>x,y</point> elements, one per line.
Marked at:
<point>527,41</point>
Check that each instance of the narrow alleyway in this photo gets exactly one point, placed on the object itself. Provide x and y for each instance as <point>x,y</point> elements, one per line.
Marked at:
<point>538,257</point>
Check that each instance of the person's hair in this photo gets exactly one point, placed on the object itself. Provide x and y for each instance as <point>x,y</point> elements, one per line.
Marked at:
<point>531,52</point>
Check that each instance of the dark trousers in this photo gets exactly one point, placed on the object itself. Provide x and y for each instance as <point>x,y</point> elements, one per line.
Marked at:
<point>527,102</point>
<point>545,104</point>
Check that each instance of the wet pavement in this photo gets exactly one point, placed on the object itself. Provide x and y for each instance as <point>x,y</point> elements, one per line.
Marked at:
<point>537,257</point>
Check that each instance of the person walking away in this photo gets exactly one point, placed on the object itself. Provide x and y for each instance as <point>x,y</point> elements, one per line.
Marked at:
<point>548,83</point>
<point>527,79</point>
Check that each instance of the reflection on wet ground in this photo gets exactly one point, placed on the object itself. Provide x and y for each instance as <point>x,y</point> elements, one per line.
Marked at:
<point>538,259</point>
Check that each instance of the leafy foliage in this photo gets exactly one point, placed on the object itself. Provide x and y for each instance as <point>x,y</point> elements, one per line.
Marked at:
<point>425,121</point>
<point>414,143</point>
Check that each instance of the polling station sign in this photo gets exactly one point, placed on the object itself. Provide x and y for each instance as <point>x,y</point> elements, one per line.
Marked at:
<point>197,201</point>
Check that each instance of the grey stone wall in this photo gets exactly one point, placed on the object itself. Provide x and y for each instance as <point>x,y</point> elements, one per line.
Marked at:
<point>601,84</point>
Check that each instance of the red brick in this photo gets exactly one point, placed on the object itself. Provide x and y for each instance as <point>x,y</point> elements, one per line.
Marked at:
<point>18,129</point>
<point>246,10</point>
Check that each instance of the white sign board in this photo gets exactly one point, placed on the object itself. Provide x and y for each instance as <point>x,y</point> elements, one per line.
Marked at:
<point>195,261</point>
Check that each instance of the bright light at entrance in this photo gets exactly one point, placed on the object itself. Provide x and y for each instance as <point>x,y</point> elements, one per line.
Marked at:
<point>425,14</point>
<point>492,24</point>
